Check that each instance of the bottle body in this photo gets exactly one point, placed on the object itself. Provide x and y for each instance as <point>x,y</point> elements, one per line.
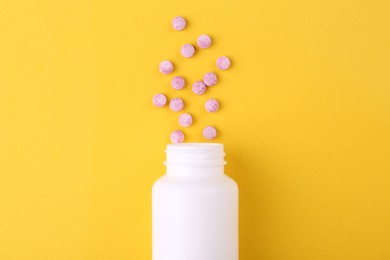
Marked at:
<point>195,214</point>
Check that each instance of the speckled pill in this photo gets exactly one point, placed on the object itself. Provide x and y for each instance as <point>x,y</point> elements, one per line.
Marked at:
<point>212,105</point>
<point>204,41</point>
<point>178,83</point>
<point>210,79</point>
<point>199,87</point>
<point>223,63</point>
<point>209,132</point>
<point>187,50</point>
<point>176,104</point>
<point>177,136</point>
<point>166,67</point>
<point>179,23</point>
<point>159,100</point>
<point>185,120</point>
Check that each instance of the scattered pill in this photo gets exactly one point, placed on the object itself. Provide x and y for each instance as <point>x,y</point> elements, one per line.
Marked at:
<point>166,67</point>
<point>212,105</point>
<point>199,87</point>
<point>187,50</point>
<point>159,100</point>
<point>209,132</point>
<point>176,104</point>
<point>204,41</point>
<point>210,79</point>
<point>177,136</point>
<point>185,120</point>
<point>179,23</point>
<point>223,63</point>
<point>178,83</point>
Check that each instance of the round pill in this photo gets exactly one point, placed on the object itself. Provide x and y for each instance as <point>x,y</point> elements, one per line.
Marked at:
<point>209,132</point>
<point>177,136</point>
<point>204,41</point>
<point>212,105</point>
<point>187,50</point>
<point>185,120</point>
<point>223,63</point>
<point>166,67</point>
<point>159,100</point>
<point>210,79</point>
<point>178,83</point>
<point>179,23</point>
<point>199,87</point>
<point>176,104</point>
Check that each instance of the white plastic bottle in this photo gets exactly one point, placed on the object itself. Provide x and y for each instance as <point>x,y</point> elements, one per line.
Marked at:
<point>195,206</point>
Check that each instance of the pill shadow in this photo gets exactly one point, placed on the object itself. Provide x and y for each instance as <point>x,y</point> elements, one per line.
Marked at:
<point>254,209</point>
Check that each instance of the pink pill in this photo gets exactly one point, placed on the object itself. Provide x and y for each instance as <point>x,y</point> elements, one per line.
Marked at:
<point>177,136</point>
<point>166,67</point>
<point>178,83</point>
<point>223,63</point>
<point>159,100</point>
<point>185,120</point>
<point>204,41</point>
<point>210,79</point>
<point>179,23</point>
<point>176,104</point>
<point>199,87</point>
<point>187,50</point>
<point>209,132</point>
<point>212,105</point>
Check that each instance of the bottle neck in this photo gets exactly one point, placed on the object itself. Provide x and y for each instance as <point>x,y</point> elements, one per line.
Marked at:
<point>183,170</point>
<point>195,159</point>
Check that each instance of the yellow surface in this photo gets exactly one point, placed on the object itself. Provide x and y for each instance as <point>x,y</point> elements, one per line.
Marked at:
<point>305,117</point>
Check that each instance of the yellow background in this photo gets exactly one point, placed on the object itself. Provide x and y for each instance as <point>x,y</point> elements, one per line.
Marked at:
<point>305,117</point>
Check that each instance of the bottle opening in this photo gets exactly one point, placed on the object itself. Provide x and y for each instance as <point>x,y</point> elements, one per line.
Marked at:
<point>195,154</point>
